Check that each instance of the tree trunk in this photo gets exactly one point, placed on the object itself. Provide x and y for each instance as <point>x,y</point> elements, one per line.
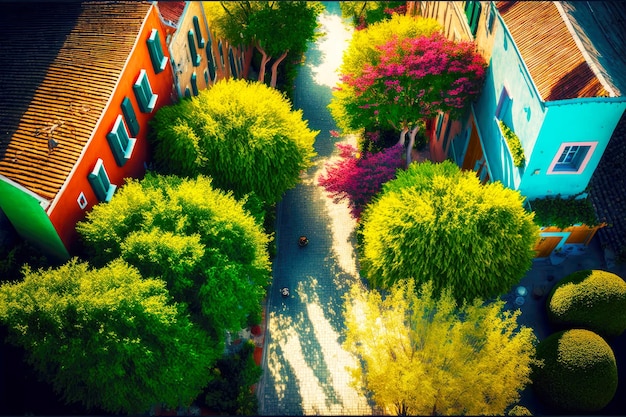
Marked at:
<point>275,68</point>
<point>249,52</point>
<point>409,147</point>
<point>264,60</point>
<point>403,135</point>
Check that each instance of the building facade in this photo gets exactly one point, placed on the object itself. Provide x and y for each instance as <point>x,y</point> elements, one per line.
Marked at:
<point>75,113</point>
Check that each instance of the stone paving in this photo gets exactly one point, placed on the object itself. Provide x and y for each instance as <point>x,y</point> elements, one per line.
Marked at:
<point>304,363</point>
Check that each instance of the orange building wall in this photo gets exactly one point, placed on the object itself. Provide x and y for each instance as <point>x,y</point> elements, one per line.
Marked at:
<point>66,213</point>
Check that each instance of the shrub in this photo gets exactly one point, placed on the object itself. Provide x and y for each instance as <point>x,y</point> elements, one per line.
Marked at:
<point>578,374</point>
<point>517,151</point>
<point>590,299</point>
<point>564,212</point>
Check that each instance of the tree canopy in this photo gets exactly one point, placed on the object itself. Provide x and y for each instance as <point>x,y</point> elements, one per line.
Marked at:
<point>243,134</point>
<point>437,222</point>
<point>365,13</point>
<point>200,240</point>
<point>107,337</point>
<point>424,355</point>
<point>274,28</point>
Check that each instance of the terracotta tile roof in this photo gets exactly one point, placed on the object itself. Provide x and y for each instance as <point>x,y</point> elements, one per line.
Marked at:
<point>608,190</point>
<point>171,10</point>
<point>556,64</point>
<point>60,64</point>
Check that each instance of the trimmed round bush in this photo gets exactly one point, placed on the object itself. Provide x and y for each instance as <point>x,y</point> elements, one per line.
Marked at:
<point>578,374</point>
<point>589,299</point>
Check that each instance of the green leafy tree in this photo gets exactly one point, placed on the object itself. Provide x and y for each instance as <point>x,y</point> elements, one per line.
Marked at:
<point>106,337</point>
<point>200,240</point>
<point>274,28</point>
<point>423,355</point>
<point>243,134</point>
<point>434,221</point>
<point>365,13</point>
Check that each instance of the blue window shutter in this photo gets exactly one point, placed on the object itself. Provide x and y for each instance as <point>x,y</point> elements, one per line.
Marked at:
<point>187,92</point>
<point>143,92</point>
<point>210,60</point>
<point>191,40</point>
<point>196,25</point>
<point>231,60</point>
<point>194,84</point>
<point>221,52</point>
<point>130,116</point>
<point>159,61</point>
<point>206,77</point>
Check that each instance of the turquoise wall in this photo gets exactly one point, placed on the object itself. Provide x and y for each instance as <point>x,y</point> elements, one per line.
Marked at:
<point>525,115</point>
<point>31,221</point>
<point>541,127</point>
<point>581,120</point>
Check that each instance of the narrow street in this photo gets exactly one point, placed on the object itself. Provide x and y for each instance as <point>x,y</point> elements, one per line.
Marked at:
<point>304,363</point>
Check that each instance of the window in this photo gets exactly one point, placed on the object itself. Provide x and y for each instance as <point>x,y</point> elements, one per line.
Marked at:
<point>143,92</point>
<point>210,59</point>
<point>130,117</point>
<point>196,25</point>
<point>194,84</point>
<point>82,201</point>
<point>472,11</point>
<point>119,141</point>
<point>206,77</point>
<point>195,58</point>
<point>100,183</point>
<point>231,60</point>
<point>503,109</point>
<point>187,92</point>
<point>159,60</point>
<point>490,18</point>
<point>572,158</point>
<point>221,52</point>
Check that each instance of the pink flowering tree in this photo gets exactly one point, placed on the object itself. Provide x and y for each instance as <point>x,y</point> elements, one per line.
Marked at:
<point>413,80</point>
<point>358,177</point>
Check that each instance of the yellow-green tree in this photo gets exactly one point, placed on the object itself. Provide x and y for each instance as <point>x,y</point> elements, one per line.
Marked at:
<point>423,355</point>
<point>436,222</point>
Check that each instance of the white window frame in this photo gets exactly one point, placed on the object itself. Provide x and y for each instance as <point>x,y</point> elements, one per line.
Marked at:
<point>583,164</point>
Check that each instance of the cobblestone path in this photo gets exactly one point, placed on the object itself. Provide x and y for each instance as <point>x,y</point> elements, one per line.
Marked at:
<point>304,363</point>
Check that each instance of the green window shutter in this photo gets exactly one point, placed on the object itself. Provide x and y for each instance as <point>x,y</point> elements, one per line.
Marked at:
<point>231,60</point>
<point>472,11</point>
<point>191,40</point>
<point>196,25</point>
<point>159,61</point>
<point>143,92</point>
<point>100,183</point>
<point>130,116</point>
<point>121,144</point>
<point>194,84</point>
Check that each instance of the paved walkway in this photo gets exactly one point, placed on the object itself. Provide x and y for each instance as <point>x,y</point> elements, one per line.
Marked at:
<point>304,363</point>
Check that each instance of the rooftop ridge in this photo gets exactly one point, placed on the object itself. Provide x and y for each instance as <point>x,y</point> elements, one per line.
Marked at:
<point>583,50</point>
